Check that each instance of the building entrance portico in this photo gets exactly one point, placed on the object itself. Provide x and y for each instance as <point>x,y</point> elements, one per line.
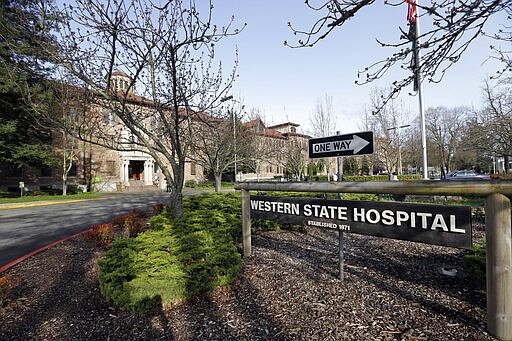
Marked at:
<point>137,171</point>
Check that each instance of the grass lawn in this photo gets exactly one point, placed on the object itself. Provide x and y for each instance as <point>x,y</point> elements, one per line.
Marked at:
<point>31,198</point>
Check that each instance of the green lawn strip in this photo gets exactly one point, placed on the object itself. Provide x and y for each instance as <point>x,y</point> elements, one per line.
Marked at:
<point>207,184</point>
<point>36,198</point>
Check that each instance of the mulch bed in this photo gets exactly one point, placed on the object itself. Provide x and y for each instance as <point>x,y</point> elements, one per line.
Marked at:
<point>288,290</point>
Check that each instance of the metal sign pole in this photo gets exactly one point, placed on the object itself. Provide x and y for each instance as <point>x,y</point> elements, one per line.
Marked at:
<point>341,237</point>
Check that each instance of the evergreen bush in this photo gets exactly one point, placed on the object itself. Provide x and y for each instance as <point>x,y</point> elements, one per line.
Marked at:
<point>475,262</point>
<point>176,258</point>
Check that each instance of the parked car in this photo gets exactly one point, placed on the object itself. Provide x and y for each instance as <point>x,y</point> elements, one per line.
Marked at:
<point>466,175</point>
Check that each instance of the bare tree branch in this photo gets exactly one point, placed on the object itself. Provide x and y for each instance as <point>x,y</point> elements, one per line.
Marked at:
<point>454,25</point>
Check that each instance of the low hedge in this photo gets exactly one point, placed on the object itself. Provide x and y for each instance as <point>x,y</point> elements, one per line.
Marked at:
<point>176,258</point>
<point>475,262</point>
<point>405,177</point>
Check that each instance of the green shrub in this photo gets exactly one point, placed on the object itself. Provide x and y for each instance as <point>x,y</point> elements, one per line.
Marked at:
<point>361,196</point>
<point>157,223</point>
<point>321,178</point>
<point>475,262</point>
<point>190,183</point>
<point>205,184</point>
<point>359,178</point>
<point>409,177</point>
<point>176,258</point>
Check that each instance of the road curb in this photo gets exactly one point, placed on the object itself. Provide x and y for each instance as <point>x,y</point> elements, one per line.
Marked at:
<point>22,258</point>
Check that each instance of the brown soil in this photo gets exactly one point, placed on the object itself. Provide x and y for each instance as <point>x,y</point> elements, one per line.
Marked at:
<point>288,290</point>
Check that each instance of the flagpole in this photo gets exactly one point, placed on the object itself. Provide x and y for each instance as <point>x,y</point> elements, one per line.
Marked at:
<point>417,53</point>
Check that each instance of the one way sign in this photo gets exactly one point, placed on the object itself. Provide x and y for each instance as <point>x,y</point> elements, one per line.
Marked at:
<point>340,145</point>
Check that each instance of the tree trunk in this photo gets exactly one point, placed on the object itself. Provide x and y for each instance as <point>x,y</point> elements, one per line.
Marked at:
<point>176,203</point>
<point>64,184</point>
<point>218,182</point>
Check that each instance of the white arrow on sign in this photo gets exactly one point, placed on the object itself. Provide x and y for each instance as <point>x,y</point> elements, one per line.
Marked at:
<point>359,143</point>
<point>356,144</point>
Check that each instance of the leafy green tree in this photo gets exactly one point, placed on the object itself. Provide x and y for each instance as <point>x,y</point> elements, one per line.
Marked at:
<point>24,140</point>
<point>312,169</point>
<point>351,166</point>
<point>365,166</point>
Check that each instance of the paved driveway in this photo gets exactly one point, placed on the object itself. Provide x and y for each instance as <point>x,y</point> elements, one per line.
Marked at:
<point>35,225</point>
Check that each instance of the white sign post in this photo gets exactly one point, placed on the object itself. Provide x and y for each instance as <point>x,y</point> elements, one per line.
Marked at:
<point>21,185</point>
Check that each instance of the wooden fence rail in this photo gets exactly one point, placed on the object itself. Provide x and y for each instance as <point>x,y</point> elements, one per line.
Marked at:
<point>497,228</point>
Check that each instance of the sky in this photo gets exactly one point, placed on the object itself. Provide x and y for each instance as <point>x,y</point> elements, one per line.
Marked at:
<point>285,84</point>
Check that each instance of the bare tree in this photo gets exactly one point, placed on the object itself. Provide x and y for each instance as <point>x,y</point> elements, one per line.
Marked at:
<point>323,124</point>
<point>445,127</point>
<point>388,122</point>
<point>296,161</point>
<point>322,120</point>
<point>220,143</point>
<point>167,52</point>
<point>493,127</point>
<point>68,102</point>
<point>454,25</point>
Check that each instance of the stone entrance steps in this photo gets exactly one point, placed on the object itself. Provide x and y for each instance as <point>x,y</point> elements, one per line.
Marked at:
<point>139,186</point>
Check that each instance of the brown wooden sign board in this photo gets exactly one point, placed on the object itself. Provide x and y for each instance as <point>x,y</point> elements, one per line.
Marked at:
<point>431,224</point>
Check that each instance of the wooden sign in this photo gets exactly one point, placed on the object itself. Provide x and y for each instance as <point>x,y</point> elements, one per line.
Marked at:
<point>430,224</point>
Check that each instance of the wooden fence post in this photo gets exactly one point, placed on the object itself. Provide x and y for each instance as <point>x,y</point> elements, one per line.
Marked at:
<point>246,223</point>
<point>499,266</point>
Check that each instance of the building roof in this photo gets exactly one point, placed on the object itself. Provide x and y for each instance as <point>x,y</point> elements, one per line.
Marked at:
<point>259,127</point>
<point>281,125</point>
<point>120,73</point>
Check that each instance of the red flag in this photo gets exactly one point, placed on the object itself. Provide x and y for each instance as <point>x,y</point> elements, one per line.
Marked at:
<point>411,11</point>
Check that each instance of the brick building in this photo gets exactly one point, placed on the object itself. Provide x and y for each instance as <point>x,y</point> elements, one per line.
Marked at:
<point>108,169</point>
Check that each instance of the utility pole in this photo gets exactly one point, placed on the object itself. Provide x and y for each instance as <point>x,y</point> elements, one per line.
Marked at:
<point>417,54</point>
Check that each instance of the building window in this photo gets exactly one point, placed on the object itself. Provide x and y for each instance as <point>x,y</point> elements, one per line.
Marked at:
<point>192,169</point>
<point>111,168</point>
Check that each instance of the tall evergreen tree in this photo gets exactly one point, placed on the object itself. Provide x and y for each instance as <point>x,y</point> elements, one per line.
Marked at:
<point>24,140</point>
